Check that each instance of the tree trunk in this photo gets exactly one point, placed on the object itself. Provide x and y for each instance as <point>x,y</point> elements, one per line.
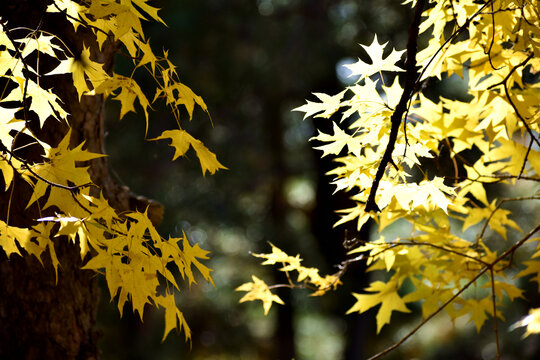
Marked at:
<point>42,319</point>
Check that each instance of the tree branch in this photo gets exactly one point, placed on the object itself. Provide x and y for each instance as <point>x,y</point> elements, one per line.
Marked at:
<point>449,301</point>
<point>411,76</point>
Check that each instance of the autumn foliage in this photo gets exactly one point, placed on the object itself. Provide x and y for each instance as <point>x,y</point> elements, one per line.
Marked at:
<point>403,155</point>
<point>137,262</point>
<point>425,162</point>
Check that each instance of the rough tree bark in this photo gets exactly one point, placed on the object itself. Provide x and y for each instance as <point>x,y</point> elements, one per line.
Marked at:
<point>42,319</point>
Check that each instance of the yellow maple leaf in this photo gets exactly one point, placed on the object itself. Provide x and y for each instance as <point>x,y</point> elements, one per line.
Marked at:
<point>71,8</point>
<point>173,316</point>
<point>82,68</point>
<point>279,256</point>
<point>336,142</point>
<point>150,10</point>
<point>41,43</point>
<point>258,290</point>
<point>44,102</point>
<point>532,267</point>
<point>43,238</point>
<point>190,256</point>
<point>177,94</point>
<point>111,263</point>
<point>375,52</point>
<point>74,228</point>
<point>479,309</point>
<point>511,290</point>
<point>531,321</point>
<point>62,168</point>
<point>10,236</point>
<point>139,284</point>
<point>384,294</point>
<point>207,158</point>
<point>9,124</point>
<point>498,218</point>
<point>181,141</point>
<point>328,106</point>
<point>7,172</point>
<point>129,92</point>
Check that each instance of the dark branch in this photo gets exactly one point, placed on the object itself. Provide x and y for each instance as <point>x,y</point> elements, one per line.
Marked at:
<point>408,90</point>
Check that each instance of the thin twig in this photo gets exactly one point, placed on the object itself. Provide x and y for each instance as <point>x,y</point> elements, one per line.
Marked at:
<point>488,52</point>
<point>502,201</point>
<point>452,37</point>
<point>505,9</point>
<point>497,178</point>
<point>413,331</point>
<point>344,265</point>
<point>449,301</point>
<point>503,81</point>
<point>507,93</point>
<point>525,159</point>
<point>290,286</point>
<point>507,176</point>
<point>443,248</point>
<point>82,22</point>
<point>48,182</point>
<point>493,300</point>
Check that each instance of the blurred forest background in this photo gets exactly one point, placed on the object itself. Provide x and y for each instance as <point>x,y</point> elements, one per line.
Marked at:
<point>252,62</point>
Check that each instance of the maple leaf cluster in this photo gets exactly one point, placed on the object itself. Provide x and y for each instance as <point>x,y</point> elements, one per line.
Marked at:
<point>135,260</point>
<point>493,46</point>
